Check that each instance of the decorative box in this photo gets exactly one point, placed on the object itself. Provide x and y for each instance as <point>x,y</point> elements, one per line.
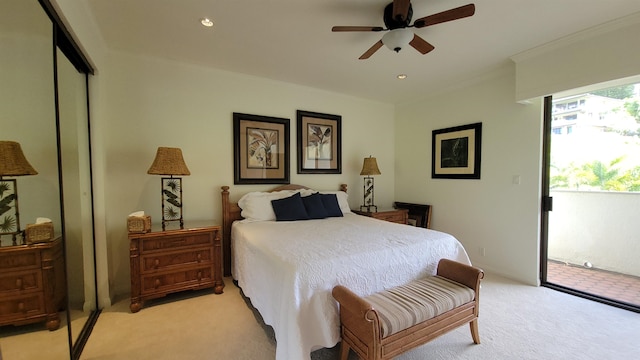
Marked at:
<point>139,224</point>
<point>37,233</point>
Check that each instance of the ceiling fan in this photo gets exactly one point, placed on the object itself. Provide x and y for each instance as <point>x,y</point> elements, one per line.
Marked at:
<point>397,18</point>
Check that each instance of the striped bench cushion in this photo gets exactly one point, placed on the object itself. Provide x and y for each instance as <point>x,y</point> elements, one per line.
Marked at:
<point>401,307</point>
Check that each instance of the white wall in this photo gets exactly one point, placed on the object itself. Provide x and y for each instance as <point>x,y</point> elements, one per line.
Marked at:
<point>491,213</point>
<point>152,102</point>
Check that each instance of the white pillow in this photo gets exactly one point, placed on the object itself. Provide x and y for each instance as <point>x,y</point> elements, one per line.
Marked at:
<point>256,206</point>
<point>306,192</point>
<point>343,200</point>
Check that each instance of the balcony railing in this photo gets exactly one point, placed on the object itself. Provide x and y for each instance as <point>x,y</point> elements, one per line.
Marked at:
<point>596,229</point>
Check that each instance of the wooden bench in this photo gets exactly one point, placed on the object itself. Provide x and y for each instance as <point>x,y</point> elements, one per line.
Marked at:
<point>385,324</point>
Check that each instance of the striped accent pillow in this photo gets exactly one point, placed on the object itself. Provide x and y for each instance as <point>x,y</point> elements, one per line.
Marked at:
<point>401,307</point>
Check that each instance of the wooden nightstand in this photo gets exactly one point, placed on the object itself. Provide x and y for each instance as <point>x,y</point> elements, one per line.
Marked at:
<point>32,283</point>
<point>164,262</point>
<point>399,216</point>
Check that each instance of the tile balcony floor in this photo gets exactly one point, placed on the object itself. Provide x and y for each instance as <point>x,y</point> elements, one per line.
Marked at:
<point>607,284</point>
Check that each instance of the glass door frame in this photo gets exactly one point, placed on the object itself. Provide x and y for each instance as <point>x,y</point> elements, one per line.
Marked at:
<point>546,205</point>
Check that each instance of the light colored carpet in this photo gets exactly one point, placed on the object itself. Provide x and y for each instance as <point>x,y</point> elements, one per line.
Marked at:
<point>516,322</point>
<point>17,342</point>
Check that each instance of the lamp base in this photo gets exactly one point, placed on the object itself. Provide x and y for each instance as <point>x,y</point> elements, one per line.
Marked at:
<point>368,208</point>
<point>171,201</point>
<point>165,222</point>
<point>14,237</point>
<point>368,196</point>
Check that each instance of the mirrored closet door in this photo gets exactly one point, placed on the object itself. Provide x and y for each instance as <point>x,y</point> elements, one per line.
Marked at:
<point>47,283</point>
<point>77,199</point>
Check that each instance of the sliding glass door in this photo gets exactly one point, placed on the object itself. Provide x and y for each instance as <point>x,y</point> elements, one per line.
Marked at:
<point>592,195</point>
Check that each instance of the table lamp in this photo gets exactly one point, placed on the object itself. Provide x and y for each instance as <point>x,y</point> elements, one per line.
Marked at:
<point>169,161</point>
<point>12,163</point>
<point>369,168</point>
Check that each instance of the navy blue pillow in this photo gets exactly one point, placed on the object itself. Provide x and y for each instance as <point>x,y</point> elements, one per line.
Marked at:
<point>331,206</point>
<point>290,208</point>
<point>315,207</point>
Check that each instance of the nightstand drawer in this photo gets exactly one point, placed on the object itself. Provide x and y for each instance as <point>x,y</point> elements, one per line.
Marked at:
<point>163,283</point>
<point>168,260</point>
<point>20,307</point>
<point>397,217</point>
<point>18,281</point>
<point>19,260</point>
<point>176,241</point>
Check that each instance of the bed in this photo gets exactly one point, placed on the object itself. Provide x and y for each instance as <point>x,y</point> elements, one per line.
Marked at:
<point>288,269</point>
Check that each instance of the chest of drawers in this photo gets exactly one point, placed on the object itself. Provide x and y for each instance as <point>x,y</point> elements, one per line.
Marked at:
<point>165,262</point>
<point>32,284</point>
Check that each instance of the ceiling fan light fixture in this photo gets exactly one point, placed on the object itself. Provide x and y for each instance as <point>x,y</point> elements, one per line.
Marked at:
<point>396,39</point>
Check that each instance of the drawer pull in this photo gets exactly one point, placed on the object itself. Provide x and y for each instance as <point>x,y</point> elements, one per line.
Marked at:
<point>199,257</point>
<point>21,306</point>
<point>19,283</point>
<point>156,263</point>
<point>157,283</point>
<point>199,275</point>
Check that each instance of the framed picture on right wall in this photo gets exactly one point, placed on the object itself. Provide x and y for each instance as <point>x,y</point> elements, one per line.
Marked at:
<point>456,152</point>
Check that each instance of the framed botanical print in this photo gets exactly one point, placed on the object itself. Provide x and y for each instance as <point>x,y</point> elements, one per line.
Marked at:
<point>455,152</point>
<point>319,143</point>
<point>261,149</point>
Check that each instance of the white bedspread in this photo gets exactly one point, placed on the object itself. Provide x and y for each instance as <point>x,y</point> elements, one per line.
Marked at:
<point>288,269</point>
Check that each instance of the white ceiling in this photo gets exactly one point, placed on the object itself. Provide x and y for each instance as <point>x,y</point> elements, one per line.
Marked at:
<point>292,41</point>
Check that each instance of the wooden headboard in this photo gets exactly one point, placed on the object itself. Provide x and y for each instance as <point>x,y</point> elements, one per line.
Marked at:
<point>232,212</point>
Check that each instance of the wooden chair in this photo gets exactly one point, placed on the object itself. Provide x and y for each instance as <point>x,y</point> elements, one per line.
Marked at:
<point>418,213</point>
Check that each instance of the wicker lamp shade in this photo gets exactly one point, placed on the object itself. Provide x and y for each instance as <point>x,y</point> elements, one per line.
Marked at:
<point>168,161</point>
<point>12,160</point>
<point>370,167</point>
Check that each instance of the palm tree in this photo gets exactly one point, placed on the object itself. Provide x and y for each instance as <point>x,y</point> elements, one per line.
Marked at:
<point>318,137</point>
<point>260,146</point>
<point>596,175</point>
<point>605,177</point>
<point>632,181</point>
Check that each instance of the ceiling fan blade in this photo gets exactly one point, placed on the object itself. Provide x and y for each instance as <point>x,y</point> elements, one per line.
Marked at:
<point>401,9</point>
<point>420,44</point>
<point>371,50</point>
<point>357,28</point>
<point>453,14</point>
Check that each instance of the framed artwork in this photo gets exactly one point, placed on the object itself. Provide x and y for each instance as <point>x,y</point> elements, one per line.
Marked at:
<point>260,149</point>
<point>455,152</point>
<point>319,143</point>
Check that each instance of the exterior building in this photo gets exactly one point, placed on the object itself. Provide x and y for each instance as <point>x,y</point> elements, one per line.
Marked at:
<point>588,112</point>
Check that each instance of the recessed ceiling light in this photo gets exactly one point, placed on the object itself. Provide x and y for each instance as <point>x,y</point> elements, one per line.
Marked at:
<point>206,22</point>
<point>402,76</point>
